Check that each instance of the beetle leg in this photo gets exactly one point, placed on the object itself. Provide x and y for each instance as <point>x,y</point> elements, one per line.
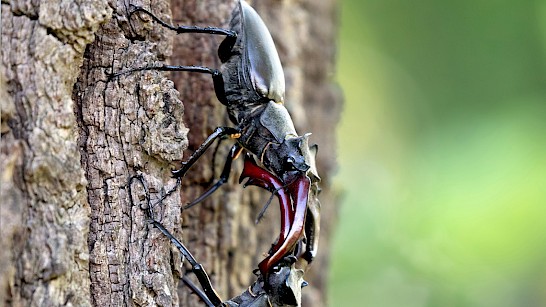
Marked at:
<point>219,88</point>
<point>197,291</point>
<point>197,268</point>
<point>217,78</point>
<point>190,68</point>
<point>184,29</point>
<point>218,132</point>
<point>224,51</point>
<point>233,153</point>
<point>312,228</point>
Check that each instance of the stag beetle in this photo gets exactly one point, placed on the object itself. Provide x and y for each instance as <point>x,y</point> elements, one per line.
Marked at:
<point>250,83</point>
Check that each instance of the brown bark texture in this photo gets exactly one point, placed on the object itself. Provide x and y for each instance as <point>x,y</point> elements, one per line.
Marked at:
<point>74,232</point>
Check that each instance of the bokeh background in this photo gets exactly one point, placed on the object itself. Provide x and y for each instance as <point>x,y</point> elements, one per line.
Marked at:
<point>442,154</point>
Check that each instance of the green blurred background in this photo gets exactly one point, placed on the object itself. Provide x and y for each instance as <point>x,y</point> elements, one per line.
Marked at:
<point>442,152</point>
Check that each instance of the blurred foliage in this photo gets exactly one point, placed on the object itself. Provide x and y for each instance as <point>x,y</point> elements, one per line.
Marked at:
<point>442,152</point>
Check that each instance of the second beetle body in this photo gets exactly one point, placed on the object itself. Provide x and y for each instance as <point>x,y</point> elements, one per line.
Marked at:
<point>253,91</point>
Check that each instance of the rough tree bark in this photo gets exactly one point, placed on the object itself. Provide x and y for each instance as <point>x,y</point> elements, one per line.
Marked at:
<point>71,139</point>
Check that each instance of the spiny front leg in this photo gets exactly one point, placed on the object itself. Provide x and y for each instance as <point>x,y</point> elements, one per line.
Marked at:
<point>233,153</point>
<point>218,132</point>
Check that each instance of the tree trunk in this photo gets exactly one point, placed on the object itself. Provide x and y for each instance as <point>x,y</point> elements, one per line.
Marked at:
<point>74,231</point>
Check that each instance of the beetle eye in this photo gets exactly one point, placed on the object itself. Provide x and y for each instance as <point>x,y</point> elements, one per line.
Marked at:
<point>289,164</point>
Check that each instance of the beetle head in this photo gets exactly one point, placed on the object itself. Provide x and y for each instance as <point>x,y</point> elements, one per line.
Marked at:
<point>292,158</point>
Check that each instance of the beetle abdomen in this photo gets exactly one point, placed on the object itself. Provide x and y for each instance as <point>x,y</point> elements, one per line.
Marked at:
<point>252,70</point>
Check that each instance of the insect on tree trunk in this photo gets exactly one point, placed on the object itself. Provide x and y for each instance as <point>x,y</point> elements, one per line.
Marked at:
<point>73,230</point>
